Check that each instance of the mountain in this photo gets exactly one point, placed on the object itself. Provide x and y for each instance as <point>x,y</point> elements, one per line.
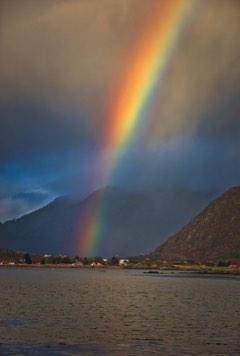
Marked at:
<point>214,234</point>
<point>133,222</point>
<point>46,230</point>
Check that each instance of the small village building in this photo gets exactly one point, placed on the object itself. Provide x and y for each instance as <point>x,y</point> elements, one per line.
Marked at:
<point>123,262</point>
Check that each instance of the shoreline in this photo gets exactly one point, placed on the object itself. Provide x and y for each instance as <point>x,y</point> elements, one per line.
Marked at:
<point>190,270</point>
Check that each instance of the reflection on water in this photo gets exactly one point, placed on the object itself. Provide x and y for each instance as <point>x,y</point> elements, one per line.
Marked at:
<point>120,312</point>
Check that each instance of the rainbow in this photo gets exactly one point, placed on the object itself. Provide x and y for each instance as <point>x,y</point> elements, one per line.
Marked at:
<point>144,71</point>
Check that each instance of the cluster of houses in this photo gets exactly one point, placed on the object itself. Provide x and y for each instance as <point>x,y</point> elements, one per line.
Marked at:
<point>77,262</point>
<point>106,262</point>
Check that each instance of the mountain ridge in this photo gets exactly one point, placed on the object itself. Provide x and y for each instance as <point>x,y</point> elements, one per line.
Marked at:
<point>213,234</point>
<point>135,222</point>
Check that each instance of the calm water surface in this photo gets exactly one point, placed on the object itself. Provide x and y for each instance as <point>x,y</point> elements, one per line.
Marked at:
<point>120,312</point>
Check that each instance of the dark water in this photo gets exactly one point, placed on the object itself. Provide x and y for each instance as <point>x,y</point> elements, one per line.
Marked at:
<point>119,312</point>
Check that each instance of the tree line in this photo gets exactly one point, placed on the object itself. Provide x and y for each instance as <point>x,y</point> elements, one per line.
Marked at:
<point>86,261</point>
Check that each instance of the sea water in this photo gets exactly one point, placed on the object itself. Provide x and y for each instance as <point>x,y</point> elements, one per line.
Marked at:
<point>74,311</point>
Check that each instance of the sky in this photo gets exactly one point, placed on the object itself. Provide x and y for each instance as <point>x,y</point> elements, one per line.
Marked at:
<point>61,62</point>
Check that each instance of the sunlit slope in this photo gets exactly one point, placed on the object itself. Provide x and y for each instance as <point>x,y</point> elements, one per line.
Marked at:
<point>212,235</point>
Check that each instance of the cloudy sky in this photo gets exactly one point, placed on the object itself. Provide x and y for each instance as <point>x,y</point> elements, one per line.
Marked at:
<point>61,62</point>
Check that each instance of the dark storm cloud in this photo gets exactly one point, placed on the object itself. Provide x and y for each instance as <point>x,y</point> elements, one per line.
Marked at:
<point>59,61</point>
<point>196,163</point>
<point>202,87</point>
<point>59,65</point>
<point>28,129</point>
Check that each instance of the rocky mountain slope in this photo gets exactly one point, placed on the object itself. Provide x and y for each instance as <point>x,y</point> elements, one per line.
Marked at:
<point>214,234</point>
